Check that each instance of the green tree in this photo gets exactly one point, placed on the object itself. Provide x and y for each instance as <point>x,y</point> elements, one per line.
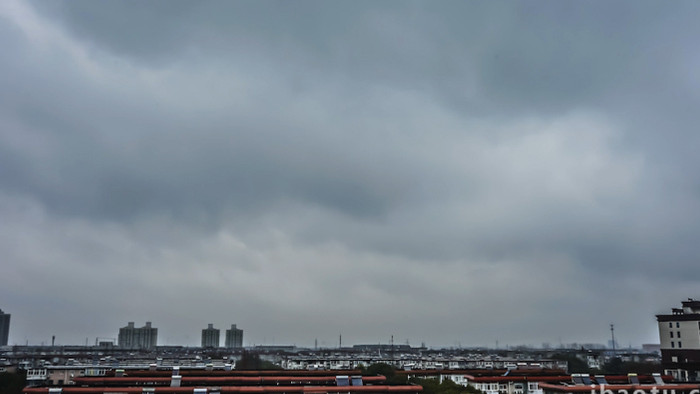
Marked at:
<point>613,367</point>
<point>618,367</point>
<point>12,383</point>
<point>381,369</point>
<point>387,371</point>
<point>576,365</point>
<point>252,361</point>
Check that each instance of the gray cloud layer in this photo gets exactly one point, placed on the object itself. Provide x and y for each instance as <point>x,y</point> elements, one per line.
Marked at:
<point>445,172</point>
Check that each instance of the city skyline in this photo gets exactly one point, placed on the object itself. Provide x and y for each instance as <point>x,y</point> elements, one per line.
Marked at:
<point>326,342</point>
<point>443,172</point>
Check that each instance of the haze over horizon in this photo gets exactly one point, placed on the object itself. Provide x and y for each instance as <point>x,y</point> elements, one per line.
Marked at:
<point>444,172</point>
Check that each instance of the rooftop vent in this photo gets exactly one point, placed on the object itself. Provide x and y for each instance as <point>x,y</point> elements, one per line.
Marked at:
<point>657,378</point>
<point>632,377</point>
<point>342,380</point>
<point>356,380</point>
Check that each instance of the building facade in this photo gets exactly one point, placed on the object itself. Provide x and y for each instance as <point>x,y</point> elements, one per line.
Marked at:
<point>679,335</point>
<point>215,380</point>
<point>210,337</point>
<point>131,337</point>
<point>234,337</point>
<point>4,328</point>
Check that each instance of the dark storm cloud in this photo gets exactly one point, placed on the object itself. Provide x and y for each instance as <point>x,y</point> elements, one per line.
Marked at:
<point>401,162</point>
<point>536,53</point>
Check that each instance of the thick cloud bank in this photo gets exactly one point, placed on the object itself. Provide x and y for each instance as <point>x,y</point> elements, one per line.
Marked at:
<point>448,173</point>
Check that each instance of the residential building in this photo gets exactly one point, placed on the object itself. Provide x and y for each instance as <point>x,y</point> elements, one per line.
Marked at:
<point>210,337</point>
<point>507,384</point>
<point>203,381</point>
<point>234,337</point>
<point>4,328</point>
<point>679,333</point>
<point>638,384</point>
<point>131,337</point>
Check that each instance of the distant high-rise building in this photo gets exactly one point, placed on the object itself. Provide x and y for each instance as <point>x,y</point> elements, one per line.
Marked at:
<point>210,336</point>
<point>131,337</point>
<point>4,327</point>
<point>234,337</point>
<point>679,333</point>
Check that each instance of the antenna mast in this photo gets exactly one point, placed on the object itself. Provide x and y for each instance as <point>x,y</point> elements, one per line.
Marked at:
<point>612,333</point>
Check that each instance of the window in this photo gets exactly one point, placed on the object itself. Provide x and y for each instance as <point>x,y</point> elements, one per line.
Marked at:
<point>673,344</point>
<point>671,334</point>
<point>670,324</point>
<point>678,325</point>
<point>680,345</point>
<point>678,334</point>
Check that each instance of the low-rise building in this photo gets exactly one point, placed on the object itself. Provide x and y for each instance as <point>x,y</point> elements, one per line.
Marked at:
<point>210,380</point>
<point>632,383</point>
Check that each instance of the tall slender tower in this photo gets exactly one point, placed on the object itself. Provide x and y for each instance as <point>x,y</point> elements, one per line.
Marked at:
<point>4,327</point>
<point>612,332</point>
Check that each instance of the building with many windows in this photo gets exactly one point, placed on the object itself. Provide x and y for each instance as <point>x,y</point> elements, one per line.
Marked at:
<point>184,380</point>
<point>679,333</point>
<point>210,337</point>
<point>234,337</point>
<point>4,328</point>
<point>131,337</point>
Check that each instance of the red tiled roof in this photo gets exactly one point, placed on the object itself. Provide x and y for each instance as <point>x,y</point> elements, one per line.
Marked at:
<point>494,379</point>
<point>484,372</point>
<point>200,372</point>
<point>235,389</point>
<point>218,380</point>
<point>616,387</point>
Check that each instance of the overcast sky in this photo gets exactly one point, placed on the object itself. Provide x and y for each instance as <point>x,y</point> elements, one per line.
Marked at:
<point>443,172</point>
